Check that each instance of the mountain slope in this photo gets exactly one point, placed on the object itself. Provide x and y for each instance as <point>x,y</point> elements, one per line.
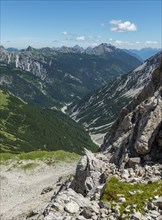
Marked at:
<point>25,128</point>
<point>65,75</point>
<point>131,52</point>
<point>138,130</point>
<point>98,110</point>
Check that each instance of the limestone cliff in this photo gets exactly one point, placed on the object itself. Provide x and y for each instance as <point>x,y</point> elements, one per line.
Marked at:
<point>138,130</point>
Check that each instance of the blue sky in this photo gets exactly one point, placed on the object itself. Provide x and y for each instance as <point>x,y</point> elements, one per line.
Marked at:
<point>125,24</point>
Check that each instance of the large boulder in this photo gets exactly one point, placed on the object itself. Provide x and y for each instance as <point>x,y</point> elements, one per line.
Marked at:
<point>89,173</point>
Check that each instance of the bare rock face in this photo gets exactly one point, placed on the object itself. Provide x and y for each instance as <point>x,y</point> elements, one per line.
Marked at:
<point>138,130</point>
<point>88,174</point>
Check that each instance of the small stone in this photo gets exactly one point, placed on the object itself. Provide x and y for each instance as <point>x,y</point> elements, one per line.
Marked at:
<point>133,161</point>
<point>87,212</point>
<point>121,200</point>
<point>103,215</point>
<point>103,210</point>
<point>152,180</point>
<point>105,205</point>
<point>72,207</point>
<point>67,218</point>
<point>46,190</point>
<point>131,193</point>
<point>137,216</point>
<point>50,216</point>
<point>94,217</point>
<point>158,202</point>
<point>154,214</point>
<point>151,206</point>
<point>80,217</point>
<point>117,211</point>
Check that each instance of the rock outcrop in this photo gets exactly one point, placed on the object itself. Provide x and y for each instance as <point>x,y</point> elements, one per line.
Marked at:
<point>138,130</point>
<point>79,198</point>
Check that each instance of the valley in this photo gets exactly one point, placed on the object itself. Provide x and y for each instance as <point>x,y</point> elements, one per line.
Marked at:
<point>98,110</point>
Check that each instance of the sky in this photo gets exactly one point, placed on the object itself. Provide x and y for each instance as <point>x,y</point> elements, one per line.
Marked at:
<point>48,23</point>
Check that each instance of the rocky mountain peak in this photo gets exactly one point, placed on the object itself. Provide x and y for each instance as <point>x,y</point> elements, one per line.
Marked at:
<point>78,49</point>
<point>2,49</point>
<point>29,48</point>
<point>103,48</point>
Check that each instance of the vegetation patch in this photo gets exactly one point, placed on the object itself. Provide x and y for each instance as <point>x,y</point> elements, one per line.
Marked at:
<point>29,166</point>
<point>49,157</point>
<point>4,99</point>
<point>137,193</point>
<point>26,128</point>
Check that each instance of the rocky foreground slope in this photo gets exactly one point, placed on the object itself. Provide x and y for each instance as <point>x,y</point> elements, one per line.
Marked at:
<point>132,153</point>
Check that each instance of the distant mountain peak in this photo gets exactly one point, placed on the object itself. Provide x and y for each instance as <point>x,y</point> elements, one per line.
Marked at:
<point>2,48</point>
<point>77,46</point>
<point>29,48</point>
<point>102,49</point>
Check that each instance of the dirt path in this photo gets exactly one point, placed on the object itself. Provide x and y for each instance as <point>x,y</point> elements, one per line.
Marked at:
<point>21,189</point>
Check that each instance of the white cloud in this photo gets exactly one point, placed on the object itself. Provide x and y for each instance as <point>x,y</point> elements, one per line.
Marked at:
<point>102,25</point>
<point>94,45</point>
<point>151,42</point>
<point>115,22</point>
<point>122,43</point>
<point>80,38</point>
<point>123,26</point>
<point>137,42</point>
<point>65,33</point>
<point>110,39</point>
<point>93,38</point>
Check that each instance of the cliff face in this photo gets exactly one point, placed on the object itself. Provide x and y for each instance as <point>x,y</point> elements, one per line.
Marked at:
<point>138,130</point>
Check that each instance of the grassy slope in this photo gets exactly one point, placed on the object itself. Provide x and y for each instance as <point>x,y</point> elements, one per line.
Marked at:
<point>25,128</point>
<point>142,193</point>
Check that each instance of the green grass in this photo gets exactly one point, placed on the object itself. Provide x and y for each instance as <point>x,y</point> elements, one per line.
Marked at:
<point>143,193</point>
<point>3,99</point>
<point>29,166</point>
<point>50,157</point>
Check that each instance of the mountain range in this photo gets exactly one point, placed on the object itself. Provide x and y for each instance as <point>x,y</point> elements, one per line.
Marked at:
<point>143,53</point>
<point>98,110</point>
<point>59,77</point>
